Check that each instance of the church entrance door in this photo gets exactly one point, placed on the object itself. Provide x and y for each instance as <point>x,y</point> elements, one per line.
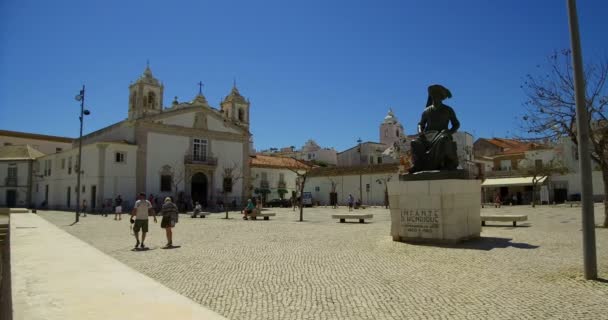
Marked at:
<point>198,189</point>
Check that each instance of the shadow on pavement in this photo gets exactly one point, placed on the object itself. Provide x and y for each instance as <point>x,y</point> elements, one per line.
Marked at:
<point>484,243</point>
<point>489,243</point>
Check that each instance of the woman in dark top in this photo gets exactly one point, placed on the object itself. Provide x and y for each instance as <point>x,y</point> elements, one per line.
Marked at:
<point>170,217</point>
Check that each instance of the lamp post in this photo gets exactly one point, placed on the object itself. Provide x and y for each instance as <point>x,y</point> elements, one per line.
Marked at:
<point>83,112</point>
<point>360,174</point>
<point>582,116</point>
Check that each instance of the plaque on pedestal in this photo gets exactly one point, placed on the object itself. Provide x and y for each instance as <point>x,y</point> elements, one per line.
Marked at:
<point>436,211</point>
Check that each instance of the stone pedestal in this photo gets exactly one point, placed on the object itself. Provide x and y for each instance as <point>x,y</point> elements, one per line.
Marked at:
<point>436,211</point>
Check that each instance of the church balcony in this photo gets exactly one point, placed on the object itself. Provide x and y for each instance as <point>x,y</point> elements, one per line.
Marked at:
<point>197,159</point>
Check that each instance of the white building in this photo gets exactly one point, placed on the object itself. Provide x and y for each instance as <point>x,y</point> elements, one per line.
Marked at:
<point>108,169</point>
<point>367,183</point>
<point>181,150</point>
<point>274,177</point>
<point>365,153</point>
<point>16,173</point>
<point>311,151</point>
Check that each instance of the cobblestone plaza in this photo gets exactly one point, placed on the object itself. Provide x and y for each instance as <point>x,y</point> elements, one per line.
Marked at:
<point>322,269</point>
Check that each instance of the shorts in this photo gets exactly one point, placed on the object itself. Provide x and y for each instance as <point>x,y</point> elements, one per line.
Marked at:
<point>140,224</point>
<point>167,222</point>
<point>118,209</point>
<point>248,211</point>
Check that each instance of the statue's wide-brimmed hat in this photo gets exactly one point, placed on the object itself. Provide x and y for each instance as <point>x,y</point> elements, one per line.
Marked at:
<point>439,90</point>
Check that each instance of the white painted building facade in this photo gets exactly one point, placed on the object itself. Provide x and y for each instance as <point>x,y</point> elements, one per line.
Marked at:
<point>367,183</point>
<point>181,151</point>
<point>108,169</point>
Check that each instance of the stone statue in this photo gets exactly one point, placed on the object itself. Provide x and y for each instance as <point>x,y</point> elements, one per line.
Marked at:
<point>434,148</point>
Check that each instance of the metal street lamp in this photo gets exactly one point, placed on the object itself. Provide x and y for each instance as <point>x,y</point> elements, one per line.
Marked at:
<point>83,112</point>
<point>360,174</point>
<point>582,116</point>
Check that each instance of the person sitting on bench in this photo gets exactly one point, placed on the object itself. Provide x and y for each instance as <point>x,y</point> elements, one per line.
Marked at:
<point>197,209</point>
<point>248,209</point>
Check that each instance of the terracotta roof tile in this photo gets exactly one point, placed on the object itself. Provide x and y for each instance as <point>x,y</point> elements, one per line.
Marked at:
<point>263,161</point>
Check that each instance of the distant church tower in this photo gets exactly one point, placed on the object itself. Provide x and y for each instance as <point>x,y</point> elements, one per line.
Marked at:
<point>391,130</point>
<point>235,107</point>
<point>145,96</point>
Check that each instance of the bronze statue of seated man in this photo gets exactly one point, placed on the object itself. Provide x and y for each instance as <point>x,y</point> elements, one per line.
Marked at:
<point>434,149</point>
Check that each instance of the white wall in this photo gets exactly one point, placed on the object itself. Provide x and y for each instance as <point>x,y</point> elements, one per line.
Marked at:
<point>164,149</point>
<point>351,156</point>
<point>273,176</point>
<point>22,182</point>
<point>349,184</point>
<point>214,124</point>
<point>229,154</point>
<point>123,131</point>
<point>183,120</point>
<point>573,182</point>
<point>118,177</point>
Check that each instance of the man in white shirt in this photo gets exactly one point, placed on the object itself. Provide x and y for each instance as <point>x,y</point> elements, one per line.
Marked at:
<point>141,210</point>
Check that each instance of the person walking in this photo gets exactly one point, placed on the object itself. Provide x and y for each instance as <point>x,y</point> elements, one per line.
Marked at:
<point>118,208</point>
<point>170,218</point>
<point>350,202</point>
<point>141,211</point>
<point>84,207</point>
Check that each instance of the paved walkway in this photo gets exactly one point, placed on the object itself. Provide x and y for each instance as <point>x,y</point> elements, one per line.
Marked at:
<point>322,269</point>
<point>57,276</point>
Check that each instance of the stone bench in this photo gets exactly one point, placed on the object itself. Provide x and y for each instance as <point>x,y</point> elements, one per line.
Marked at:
<point>573,203</point>
<point>504,217</point>
<point>265,215</point>
<point>202,214</point>
<point>360,217</point>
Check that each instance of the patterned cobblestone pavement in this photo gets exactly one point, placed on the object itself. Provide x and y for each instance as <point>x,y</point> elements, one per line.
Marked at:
<point>321,269</point>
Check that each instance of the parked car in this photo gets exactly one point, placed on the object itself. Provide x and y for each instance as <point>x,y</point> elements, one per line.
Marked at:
<point>283,203</point>
<point>307,200</point>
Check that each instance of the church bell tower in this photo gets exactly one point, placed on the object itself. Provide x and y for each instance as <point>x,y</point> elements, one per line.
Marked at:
<point>145,96</point>
<point>235,107</point>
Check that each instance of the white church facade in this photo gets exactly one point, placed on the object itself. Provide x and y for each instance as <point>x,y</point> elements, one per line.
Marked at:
<point>183,150</point>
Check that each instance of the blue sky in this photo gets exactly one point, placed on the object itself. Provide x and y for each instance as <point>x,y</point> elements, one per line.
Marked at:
<point>326,70</point>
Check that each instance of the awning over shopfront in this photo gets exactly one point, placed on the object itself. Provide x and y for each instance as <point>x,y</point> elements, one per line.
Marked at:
<point>511,182</point>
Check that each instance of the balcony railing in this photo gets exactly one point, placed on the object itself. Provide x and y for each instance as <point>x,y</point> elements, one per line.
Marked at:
<point>282,185</point>
<point>10,181</point>
<point>199,159</point>
<point>264,184</point>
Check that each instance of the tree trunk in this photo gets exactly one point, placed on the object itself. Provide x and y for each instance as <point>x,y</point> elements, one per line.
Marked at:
<point>533,194</point>
<point>226,205</point>
<point>605,175</point>
<point>302,198</point>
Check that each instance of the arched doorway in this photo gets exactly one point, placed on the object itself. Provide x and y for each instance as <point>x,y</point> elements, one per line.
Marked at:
<point>198,189</point>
